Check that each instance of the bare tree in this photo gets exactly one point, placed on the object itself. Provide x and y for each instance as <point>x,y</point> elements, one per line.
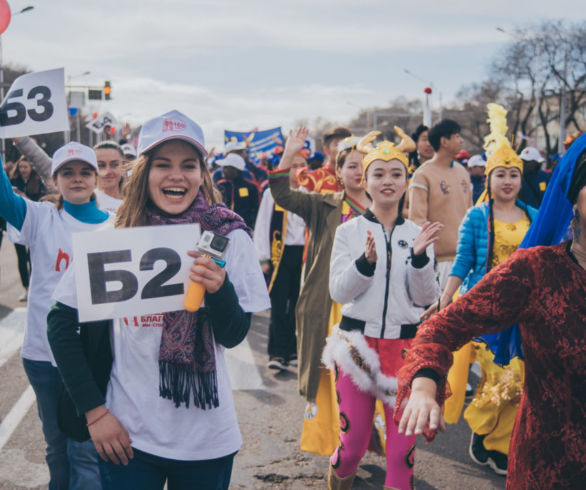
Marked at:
<point>545,63</point>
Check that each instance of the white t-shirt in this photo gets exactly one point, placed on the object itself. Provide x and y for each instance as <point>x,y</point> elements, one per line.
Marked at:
<point>155,425</point>
<point>295,234</point>
<point>47,231</point>
<point>106,202</point>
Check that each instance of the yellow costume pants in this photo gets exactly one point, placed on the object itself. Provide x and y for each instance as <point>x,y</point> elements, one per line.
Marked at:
<point>493,410</point>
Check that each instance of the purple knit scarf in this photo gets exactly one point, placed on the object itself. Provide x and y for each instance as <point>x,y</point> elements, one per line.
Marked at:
<point>187,361</point>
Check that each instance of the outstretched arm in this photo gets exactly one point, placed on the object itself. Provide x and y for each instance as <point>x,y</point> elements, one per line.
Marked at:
<point>498,301</point>
<point>300,203</point>
<point>40,161</point>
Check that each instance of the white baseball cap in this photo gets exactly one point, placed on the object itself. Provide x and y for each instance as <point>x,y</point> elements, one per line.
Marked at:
<point>233,145</point>
<point>73,152</point>
<point>232,160</point>
<point>531,154</point>
<point>170,126</point>
<point>128,149</point>
<point>476,161</point>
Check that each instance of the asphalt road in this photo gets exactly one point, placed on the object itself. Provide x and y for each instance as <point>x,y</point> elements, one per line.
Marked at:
<point>269,410</point>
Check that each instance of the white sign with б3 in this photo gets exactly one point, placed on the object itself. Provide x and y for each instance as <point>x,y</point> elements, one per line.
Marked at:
<point>132,271</point>
<point>35,104</point>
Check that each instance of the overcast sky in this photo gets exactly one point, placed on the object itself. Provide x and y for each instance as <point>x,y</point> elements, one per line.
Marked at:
<point>237,64</point>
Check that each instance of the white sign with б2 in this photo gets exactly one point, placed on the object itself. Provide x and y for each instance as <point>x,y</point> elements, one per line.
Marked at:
<point>35,104</point>
<point>132,271</point>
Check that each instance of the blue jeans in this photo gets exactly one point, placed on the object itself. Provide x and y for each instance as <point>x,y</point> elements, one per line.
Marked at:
<point>72,465</point>
<point>149,472</point>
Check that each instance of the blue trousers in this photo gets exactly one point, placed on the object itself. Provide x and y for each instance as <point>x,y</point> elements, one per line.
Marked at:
<point>148,472</point>
<point>72,465</point>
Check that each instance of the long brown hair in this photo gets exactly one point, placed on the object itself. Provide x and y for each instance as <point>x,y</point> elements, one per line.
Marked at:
<point>132,210</point>
<point>34,185</point>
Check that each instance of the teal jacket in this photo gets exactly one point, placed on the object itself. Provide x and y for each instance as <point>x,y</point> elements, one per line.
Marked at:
<point>472,253</point>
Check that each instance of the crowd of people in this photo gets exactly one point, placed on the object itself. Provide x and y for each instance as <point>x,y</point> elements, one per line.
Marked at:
<point>353,255</point>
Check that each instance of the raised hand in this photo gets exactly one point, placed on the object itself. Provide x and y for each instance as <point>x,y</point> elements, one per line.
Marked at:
<point>428,234</point>
<point>370,248</point>
<point>296,140</point>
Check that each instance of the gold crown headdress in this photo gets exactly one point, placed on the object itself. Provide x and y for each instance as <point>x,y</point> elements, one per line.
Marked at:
<point>385,150</point>
<point>499,152</point>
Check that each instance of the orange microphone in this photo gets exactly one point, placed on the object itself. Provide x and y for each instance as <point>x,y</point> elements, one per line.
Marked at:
<point>212,246</point>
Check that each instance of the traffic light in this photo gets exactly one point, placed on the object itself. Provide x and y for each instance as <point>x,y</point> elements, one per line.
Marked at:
<point>107,90</point>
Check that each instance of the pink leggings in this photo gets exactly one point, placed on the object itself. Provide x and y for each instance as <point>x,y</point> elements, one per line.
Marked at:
<point>356,414</point>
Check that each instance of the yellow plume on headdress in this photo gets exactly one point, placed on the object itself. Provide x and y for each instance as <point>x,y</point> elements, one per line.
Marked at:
<point>499,152</point>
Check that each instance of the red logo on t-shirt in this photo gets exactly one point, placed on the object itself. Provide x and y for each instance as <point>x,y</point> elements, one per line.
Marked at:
<point>155,320</point>
<point>61,256</point>
<point>173,125</point>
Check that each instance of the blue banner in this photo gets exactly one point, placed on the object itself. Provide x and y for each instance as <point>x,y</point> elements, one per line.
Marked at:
<point>262,143</point>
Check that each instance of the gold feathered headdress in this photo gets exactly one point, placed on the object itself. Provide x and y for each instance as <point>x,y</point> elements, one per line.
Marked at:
<point>499,152</point>
<point>385,150</point>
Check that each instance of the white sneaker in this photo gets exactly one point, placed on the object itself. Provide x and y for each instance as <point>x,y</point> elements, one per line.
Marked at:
<point>24,297</point>
<point>277,363</point>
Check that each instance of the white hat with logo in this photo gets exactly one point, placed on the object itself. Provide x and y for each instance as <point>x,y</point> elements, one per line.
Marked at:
<point>531,154</point>
<point>476,161</point>
<point>170,126</point>
<point>73,152</point>
<point>234,145</point>
<point>232,160</point>
<point>128,149</point>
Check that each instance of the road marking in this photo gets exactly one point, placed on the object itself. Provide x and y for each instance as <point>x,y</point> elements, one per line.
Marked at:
<point>18,471</point>
<point>244,374</point>
<point>16,414</point>
<point>11,333</point>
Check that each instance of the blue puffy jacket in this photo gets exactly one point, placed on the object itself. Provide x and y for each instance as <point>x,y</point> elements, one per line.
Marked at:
<point>472,254</point>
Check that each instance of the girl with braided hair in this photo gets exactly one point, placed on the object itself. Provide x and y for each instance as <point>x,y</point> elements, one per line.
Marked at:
<point>539,290</point>
<point>488,235</point>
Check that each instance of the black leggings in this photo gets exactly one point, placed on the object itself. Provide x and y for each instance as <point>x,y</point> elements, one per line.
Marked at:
<point>24,263</point>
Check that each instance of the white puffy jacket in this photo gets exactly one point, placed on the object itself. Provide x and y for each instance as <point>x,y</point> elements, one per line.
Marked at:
<point>391,297</point>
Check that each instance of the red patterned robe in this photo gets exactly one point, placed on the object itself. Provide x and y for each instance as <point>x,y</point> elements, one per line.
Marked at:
<point>321,180</point>
<point>544,290</point>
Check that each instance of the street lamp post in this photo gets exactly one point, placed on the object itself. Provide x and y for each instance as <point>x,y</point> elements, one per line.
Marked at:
<point>77,115</point>
<point>430,84</point>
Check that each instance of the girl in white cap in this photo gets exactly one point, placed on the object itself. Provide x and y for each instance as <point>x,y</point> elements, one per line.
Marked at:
<point>168,413</point>
<point>47,230</point>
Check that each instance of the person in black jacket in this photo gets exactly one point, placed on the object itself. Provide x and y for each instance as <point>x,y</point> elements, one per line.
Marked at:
<point>239,194</point>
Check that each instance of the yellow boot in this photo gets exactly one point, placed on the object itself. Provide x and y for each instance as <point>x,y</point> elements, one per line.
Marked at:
<point>337,483</point>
